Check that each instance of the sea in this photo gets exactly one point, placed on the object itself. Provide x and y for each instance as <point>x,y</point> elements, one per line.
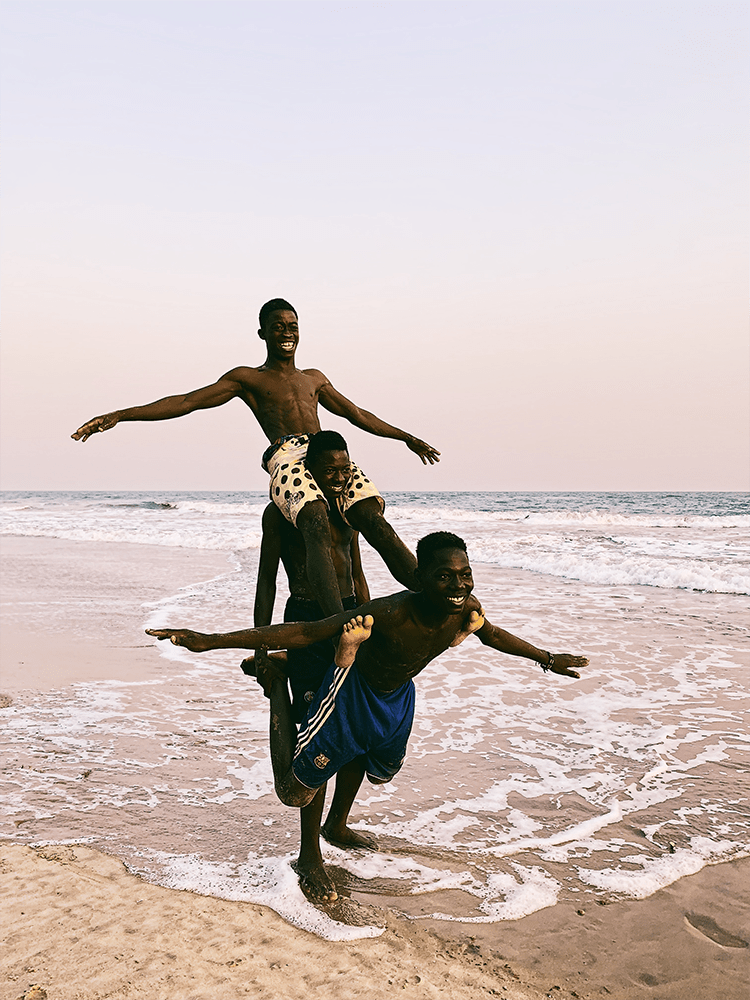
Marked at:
<point>520,789</point>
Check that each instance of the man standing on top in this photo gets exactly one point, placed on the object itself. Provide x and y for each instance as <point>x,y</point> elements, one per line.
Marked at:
<point>285,402</point>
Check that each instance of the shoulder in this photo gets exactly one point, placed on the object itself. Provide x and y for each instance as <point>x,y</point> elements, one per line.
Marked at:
<point>393,609</point>
<point>316,375</point>
<point>242,375</point>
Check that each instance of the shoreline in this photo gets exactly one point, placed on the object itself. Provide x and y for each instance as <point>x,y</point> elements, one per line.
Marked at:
<point>74,905</point>
<point>54,629</point>
<point>77,923</point>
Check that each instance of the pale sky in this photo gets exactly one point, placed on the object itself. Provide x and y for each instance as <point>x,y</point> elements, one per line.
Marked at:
<point>515,229</point>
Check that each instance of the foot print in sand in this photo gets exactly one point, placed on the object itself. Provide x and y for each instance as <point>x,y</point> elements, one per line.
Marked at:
<point>710,929</point>
<point>34,993</point>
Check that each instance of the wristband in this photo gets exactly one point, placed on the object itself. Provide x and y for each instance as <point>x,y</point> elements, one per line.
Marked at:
<point>550,662</point>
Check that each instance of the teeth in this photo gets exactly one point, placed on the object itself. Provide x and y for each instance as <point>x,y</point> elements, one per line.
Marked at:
<point>457,600</point>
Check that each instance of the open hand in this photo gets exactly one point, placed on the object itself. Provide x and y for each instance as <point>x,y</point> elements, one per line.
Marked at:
<point>426,452</point>
<point>196,642</point>
<point>565,662</point>
<point>104,423</point>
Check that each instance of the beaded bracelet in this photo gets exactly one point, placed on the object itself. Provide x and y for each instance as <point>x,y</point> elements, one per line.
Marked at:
<point>550,662</point>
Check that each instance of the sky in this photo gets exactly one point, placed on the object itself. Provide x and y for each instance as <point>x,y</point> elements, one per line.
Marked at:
<point>518,230</point>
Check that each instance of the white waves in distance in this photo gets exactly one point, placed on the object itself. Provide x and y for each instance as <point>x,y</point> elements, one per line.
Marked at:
<point>630,541</point>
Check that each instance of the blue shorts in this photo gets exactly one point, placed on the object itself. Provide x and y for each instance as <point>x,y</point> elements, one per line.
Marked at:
<point>307,667</point>
<point>349,719</point>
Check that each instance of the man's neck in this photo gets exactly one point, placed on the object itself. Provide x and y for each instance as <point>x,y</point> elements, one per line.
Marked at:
<point>427,613</point>
<point>279,364</point>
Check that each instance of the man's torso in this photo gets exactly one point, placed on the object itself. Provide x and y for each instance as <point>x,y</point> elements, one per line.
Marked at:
<point>284,402</point>
<point>403,642</point>
<point>293,555</point>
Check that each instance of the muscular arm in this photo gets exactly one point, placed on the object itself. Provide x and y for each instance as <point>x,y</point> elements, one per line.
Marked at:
<point>268,567</point>
<point>387,612</point>
<point>227,387</point>
<point>361,590</point>
<point>289,635</point>
<point>333,401</point>
<point>505,642</point>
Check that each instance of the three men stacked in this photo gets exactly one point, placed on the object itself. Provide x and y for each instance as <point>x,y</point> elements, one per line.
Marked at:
<point>354,703</point>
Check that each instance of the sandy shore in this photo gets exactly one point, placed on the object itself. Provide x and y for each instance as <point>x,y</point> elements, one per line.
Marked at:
<point>79,926</point>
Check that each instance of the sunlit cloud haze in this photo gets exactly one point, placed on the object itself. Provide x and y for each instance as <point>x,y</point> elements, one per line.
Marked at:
<point>515,229</point>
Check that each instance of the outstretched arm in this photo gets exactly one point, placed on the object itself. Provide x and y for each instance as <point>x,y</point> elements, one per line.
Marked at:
<point>560,663</point>
<point>216,394</point>
<point>333,401</point>
<point>289,635</point>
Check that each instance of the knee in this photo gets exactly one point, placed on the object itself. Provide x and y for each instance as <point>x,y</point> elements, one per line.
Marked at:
<point>366,512</point>
<point>293,793</point>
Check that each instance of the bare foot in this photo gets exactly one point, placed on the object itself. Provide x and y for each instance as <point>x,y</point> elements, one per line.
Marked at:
<point>355,633</point>
<point>315,881</point>
<point>268,670</point>
<point>345,837</point>
<point>250,668</point>
<point>475,622</point>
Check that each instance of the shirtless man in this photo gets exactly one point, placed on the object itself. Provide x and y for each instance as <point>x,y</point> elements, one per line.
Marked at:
<point>285,402</point>
<point>364,714</point>
<point>328,461</point>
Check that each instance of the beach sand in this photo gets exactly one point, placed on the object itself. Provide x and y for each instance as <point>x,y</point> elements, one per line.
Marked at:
<point>76,924</point>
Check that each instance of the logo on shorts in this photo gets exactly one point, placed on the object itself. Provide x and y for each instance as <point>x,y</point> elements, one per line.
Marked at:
<point>321,761</point>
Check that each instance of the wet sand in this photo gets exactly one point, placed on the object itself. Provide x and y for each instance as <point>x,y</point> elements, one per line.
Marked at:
<point>78,925</point>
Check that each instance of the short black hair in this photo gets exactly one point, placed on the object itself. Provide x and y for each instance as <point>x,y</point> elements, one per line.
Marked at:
<point>324,441</point>
<point>435,542</point>
<point>272,306</point>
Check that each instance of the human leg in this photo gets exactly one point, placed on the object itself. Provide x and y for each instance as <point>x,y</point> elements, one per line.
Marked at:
<point>283,739</point>
<point>314,879</point>
<point>300,500</point>
<point>366,516</point>
<point>335,829</point>
<point>312,521</point>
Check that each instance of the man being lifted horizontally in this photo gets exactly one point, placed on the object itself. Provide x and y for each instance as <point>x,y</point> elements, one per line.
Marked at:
<point>285,402</point>
<point>363,711</point>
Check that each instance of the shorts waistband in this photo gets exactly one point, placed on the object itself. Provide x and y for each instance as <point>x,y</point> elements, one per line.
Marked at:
<point>273,448</point>
<point>349,602</point>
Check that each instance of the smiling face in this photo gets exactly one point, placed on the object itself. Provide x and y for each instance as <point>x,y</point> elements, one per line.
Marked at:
<point>281,333</point>
<point>447,581</point>
<point>331,470</point>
